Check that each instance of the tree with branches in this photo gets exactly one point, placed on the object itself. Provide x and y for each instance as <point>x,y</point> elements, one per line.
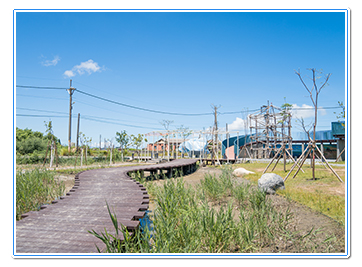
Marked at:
<point>184,132</point>
<point>314,92</point>
<point>124,141</point>
<point>137,142</point>
<point>166,125</point>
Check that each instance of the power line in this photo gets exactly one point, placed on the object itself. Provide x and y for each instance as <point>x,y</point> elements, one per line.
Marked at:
<point>41,87</point>
<point>291,109</point>
<point>113,94</point>
<point>85,117</point>
<point>40,110</point>
<point>143,109</point>
<point>111,119</point>
<point>123,113</point>
<point>45,97</point>
<point>41,116</point>
<point>114,102</point>
<point>236,112</point>
<point>122,124</point>
<point>89,116</point>
<point>157,111</point>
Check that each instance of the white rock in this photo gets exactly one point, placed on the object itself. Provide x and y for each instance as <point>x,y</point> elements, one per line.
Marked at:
<point>241,172</point>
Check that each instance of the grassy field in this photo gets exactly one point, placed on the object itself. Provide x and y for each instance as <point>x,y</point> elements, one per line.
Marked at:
<point>219,215</point>
<point>326,194</point>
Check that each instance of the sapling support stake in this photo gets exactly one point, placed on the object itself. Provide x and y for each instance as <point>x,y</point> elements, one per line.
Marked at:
<point>296,163</point>
<point>339,178</point>
<point>304,159</point>
<point>46,153</point>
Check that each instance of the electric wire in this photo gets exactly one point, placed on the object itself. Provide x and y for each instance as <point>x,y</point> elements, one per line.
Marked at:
<point>41,87</point>
<point>40,110</point>
<point>143,109</point>
<point>157,111</point>
<point>123,113</point>
<point>42,116</point>
<point>113,94</point>
<point>44,97</point>
<point>85,117</point>
<point>122,124</point>
<point>291,109</point>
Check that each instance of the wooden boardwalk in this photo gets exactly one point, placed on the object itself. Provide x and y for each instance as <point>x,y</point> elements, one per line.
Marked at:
<point>63,226</point>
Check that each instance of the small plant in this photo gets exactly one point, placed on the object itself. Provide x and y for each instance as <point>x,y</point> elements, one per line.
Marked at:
<point>240,194</point>
<point>122,241</point>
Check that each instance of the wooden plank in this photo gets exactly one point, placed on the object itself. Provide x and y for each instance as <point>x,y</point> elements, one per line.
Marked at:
<point>63,226</point>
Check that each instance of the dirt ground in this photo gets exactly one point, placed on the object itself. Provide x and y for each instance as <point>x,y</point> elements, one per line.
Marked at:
<point>68,180</point>
<point>303,219</point>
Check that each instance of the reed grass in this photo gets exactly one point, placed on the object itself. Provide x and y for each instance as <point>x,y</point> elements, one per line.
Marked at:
<point>219,216</point>
<point>35,188</point>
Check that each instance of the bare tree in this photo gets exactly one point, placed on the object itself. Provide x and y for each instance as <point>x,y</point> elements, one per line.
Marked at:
<point>185,132</point>
<point>166,125</point>
<point>314,92</point>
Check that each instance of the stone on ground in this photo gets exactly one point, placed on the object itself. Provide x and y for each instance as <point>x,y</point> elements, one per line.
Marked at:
<point>241,172</point>
<point>270,182</point>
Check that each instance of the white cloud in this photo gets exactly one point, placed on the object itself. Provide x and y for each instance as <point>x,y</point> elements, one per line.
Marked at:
<point>53,62</point>
<point>69,73</point>
<point>237,124</point>
<point>305,111</point>
<point>88,66</point>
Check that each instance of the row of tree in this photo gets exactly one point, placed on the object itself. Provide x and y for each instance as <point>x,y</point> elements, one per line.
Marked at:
<point>125,141</point>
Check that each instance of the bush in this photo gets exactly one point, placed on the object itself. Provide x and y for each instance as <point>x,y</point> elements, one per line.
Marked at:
<point>30,145</point>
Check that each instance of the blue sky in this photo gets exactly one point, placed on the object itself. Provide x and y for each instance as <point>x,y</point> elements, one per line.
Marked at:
<point>173,62</point>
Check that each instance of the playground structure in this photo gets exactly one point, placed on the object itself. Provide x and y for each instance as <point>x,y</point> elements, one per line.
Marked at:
<point>267,135</point>
<point>270,130</point>
<point>231,146</point>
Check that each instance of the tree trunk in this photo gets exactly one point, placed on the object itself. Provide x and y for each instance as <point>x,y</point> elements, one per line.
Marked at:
<point>110,158</point>
<point>81,157</point>
<point>51,153</point>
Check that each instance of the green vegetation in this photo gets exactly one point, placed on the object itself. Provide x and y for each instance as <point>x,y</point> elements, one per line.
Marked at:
<point>35,188</point>
<point>218,216</point>
<point>31,145</point>
<point>325,195</point>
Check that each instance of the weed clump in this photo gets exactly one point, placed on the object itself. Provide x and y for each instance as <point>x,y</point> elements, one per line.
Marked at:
<point>35,188</point>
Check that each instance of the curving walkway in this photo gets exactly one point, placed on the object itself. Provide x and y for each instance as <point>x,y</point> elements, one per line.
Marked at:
<point>63,226</point>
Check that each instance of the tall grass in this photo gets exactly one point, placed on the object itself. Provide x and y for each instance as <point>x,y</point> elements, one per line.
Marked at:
<point>34,188</point>
<point>219,216</point>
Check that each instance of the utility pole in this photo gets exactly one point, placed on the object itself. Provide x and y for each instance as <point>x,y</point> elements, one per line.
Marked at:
<point>216,133</point>
<point>70,91</point>
<point>100,142</point>
<point>77,146</point>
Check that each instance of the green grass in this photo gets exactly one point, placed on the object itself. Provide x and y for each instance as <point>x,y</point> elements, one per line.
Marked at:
<point>218,216</point>
<point>319,195</point>
<point>35,188</point>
